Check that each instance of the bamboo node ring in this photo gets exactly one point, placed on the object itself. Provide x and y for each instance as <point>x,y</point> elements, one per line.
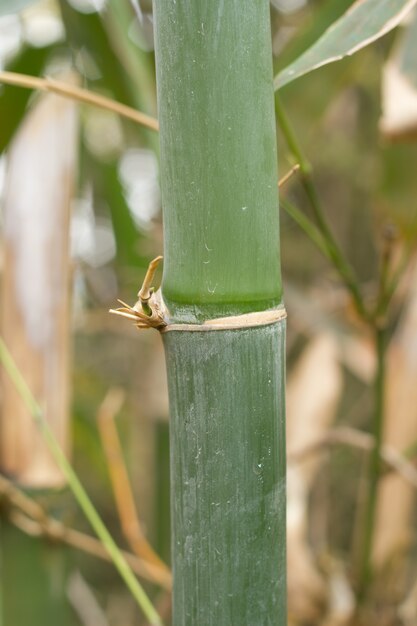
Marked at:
<point>150,312</point>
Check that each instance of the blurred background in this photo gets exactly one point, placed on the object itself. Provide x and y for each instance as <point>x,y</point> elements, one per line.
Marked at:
<point>80,221</point>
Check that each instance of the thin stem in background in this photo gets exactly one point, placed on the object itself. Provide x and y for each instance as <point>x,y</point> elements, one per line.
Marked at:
<point>329,246</point>
<point>392,283</point>
<point>333,250</point>
<point>287,177</point>
<point>79,94</point>
<point>306,225</point>
<point>365,568</point>
<point>77,489</point>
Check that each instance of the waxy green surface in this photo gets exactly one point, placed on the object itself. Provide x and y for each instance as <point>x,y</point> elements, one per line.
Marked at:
<point>218,157</point>
<point>228,476</point>
<point>221,258</point>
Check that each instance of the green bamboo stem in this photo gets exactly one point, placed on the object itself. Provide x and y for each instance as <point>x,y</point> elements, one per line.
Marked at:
<point>218,169</point>
<point>226,386</point>
<point>375,468</point>
<point>333,250</point>
<point>228,476</point>
<point>78,490</point>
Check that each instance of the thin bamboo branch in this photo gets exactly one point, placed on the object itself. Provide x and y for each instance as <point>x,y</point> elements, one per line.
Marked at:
<point>79,94</point>
<point>388,240</point>
<point>334,252</point>
<point>392,283</point>
<point>306,225</point>
<point>364,571</point>
<point>295,168</point>
<point>32,519</point>
<point>122,490</point>
<point>78,490</point>
<point>55,531</point>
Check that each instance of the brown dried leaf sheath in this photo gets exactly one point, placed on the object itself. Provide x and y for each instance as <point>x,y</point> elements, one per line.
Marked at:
<point>143,320</point>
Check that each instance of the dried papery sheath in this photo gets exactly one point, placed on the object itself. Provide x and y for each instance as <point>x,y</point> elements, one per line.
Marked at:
<point>148,312</point>
<point>155,319</point>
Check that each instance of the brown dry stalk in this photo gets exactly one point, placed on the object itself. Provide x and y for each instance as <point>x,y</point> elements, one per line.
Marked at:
<point>122,490</point>
<point>79,94</point>
<point>89,97</point>
<point>27,515</point>
<point>288,175</point>
<point>146,290</point>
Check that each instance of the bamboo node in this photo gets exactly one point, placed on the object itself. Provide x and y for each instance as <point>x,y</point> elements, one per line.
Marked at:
<point>235,322</point>
<point>148,312</point>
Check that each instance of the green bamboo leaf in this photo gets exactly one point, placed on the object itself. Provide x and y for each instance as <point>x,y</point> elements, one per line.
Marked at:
<point>408,50</point>
<point>107,185</point>
<point>13,102</point>
<point>87,32</point>
<point>317,21</point>
<point>14,6</point>
<point>365,22</point>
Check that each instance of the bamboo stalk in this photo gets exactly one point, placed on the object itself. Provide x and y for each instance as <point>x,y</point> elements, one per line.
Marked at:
<point>226,379</point>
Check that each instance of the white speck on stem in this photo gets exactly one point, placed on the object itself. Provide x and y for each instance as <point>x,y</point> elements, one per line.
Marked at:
<point>212,291</point>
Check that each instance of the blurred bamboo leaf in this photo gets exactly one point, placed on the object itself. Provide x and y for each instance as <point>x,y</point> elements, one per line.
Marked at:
<point>365,22</point>
<point>128,239</point>
<point>87,33</point>
<point>399,88</point>
<point>14,6</point>
<point>13,101</point>
<point>138,64</point>
<point>316,22</point>
<point>121,72</point>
